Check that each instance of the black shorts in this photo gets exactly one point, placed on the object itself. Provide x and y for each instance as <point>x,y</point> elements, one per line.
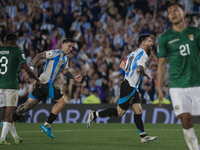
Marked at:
<point>47,89</point>
<point>128,95</point>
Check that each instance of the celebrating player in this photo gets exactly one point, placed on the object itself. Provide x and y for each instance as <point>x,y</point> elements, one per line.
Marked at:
<point>133,66</point>
<point>181,45</point>
<point>57,60</point>
<point>10,57</point>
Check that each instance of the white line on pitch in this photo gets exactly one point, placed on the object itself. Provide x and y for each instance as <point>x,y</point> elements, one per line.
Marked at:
<point>89,130</point>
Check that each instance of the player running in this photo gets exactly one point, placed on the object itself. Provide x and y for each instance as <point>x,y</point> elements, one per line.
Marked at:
<point>133,66</point>
<point>10,57</point>
<point>57,61</point>
<point>181,45</point>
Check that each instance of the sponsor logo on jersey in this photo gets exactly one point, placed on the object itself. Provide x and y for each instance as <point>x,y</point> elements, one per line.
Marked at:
<point>176,108</point>
<point>4,52</point>
<point>191,37</point>
<point>172,41</point>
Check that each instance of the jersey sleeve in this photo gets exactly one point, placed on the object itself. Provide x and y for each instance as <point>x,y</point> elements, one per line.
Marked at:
<point>125,60</point>
<point>161,49</point>
<point>67,63</point>
<point>21,57</point>
<point>51,54</point>
<point>143,60</point>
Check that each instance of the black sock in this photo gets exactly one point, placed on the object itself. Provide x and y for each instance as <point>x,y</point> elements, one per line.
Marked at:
<point>110,112</point>
<point>139,123</point>
<point>51,118</point>
<point>16,117</point>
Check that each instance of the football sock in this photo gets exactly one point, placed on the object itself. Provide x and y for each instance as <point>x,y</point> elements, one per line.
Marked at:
<point>5,129</point>
<point>191,139</point>
<point>139,124</point>
<point>110,112</point>
<point>97,114</point>
<point>46,124</point>
<point>51,118</point>
<point>13,131</point>
<point>15,117</point>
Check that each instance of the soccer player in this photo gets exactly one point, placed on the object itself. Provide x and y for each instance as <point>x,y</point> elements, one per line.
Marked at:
<point>57,61</point>
<point>181,45</point>
<point>10,57</point>
<point>133,66</point>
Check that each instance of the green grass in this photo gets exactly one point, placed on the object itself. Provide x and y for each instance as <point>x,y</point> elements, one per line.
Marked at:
<point>111,136</point>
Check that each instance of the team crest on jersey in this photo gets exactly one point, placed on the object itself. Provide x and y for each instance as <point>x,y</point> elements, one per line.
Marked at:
<point>176,108</point>
<point>191,37</point>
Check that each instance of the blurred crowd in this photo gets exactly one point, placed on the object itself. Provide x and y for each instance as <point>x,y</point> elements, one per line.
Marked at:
<point>104,31</point>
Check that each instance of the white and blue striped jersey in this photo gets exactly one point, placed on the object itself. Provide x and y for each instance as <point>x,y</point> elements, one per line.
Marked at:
<point>56,61</point>
<point>132,61</point>
<point>73,101</point>
<point>12,11</point>
<point>47,26</point>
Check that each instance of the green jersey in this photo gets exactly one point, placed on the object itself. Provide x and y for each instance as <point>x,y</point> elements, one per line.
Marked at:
<point>10,57</point>
<point>182,49</point>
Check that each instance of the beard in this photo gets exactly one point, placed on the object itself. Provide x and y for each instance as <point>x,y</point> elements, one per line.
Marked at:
<point>149,49</point>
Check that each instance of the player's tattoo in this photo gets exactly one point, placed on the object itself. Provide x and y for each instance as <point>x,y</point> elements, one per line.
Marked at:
<point>69,75</point>
<point>26,106</point>
<point>140,69</point>
<point>37,58</point>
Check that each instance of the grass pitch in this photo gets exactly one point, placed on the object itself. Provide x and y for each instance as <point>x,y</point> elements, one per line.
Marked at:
<point>111,136</point>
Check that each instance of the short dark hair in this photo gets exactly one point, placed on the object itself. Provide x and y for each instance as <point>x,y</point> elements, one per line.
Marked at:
<point>11,37</point>
<point>95,91</point>
<point>142,37</point>
<point>68,40</point>
<point>175,3</point>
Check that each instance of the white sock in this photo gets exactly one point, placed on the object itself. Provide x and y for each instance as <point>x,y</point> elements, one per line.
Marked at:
<point>46,124</point>
<point>97,113</point>
<point>191,139</point>
<point>143,133</point>
<point>6,128</point>
<point>13,131</point>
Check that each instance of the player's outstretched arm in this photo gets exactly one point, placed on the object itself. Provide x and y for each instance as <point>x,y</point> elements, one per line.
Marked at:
<point>70,75</point>
<point>122,65</point>
<point>162,61</point>
<point>31,73</point>
<point>37,59</point>
<point>140,69</point>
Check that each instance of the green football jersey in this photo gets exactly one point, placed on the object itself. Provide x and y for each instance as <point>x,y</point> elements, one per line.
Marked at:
<point>10,57</point>
<point>182,49</point>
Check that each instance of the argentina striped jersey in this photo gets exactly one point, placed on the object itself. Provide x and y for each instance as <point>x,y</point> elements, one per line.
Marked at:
<point>56,61</point>
<point>132,61</point>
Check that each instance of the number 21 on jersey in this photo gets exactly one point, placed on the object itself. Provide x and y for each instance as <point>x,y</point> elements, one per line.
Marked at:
<point>184,50</point>
<point>3,65</point>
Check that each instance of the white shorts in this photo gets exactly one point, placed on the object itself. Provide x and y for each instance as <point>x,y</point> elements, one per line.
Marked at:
<point>8,97</point>
<point>186,100</point>
<point>2,98</point>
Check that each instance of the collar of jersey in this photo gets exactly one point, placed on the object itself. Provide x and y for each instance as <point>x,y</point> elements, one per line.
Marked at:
<point>61,51</point>
<point>178,31</point>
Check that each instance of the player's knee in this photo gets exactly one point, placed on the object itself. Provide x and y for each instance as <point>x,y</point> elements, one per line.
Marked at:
<point>139,111</point>
<point>8,117</point>
<point>121,113</point>
<point>186,120</point>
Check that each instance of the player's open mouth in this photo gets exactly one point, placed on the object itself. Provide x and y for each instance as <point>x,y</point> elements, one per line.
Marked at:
<point>174,18</point>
